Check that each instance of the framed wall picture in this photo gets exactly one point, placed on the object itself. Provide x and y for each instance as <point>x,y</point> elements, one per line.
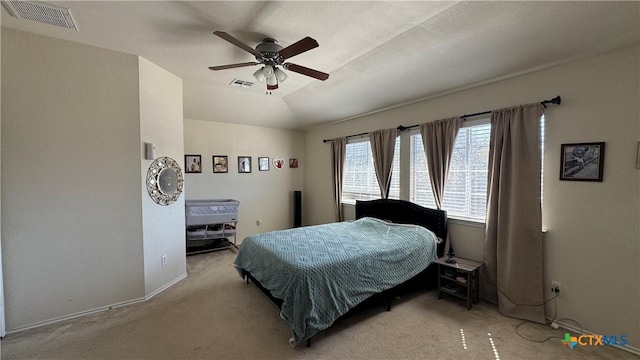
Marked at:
<point>192,164</point>
<point>244,164</point>
<point>293,163</point>
<point>263,163</point>
<point>582,161</point>
<point>220,164</point>
<point>638,156</point>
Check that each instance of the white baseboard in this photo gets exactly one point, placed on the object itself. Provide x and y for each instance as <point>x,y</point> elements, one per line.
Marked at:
<point>574,329</point>
<point>96,310</point>
<point>165,287</point>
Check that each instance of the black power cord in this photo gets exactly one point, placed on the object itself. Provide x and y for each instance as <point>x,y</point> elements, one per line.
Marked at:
<point>552,320</point>
<point>486,275</point>
<point>555,312</point>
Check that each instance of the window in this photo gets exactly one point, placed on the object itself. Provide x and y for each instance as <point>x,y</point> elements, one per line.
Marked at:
<point>465,194</point>
<point>421,191</point>
<point>466,190</point>
<point>360,181</point>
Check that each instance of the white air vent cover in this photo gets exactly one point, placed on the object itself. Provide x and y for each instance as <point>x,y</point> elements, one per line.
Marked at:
<point>41,12</point>
<point>241,83</point>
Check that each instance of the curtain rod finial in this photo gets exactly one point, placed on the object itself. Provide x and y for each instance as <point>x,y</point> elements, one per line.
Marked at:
<point>556,100</point>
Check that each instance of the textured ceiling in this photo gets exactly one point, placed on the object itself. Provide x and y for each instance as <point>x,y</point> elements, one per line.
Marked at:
<point>379,54</point>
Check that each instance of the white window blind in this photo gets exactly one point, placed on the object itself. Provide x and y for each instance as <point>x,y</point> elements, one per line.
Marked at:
<point>360,181</point>
<point>465,193</point>
<point>420,191</point>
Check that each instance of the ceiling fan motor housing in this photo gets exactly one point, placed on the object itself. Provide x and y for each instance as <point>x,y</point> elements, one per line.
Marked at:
<point>269,49</point>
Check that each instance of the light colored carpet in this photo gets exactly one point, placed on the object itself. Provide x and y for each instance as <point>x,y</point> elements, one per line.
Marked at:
<point>213,314</point>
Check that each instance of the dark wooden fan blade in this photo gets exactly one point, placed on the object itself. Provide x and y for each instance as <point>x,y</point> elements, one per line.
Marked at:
<point>301,46</point>
<point>238,43</point>
<point>306,71</point>
<point>231,66</point>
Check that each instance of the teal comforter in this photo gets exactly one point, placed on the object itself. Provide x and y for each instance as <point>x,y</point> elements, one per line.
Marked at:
<point>322,271</point>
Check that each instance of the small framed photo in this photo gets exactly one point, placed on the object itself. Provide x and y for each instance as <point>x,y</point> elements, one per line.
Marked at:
<point>582,161</point>
<point>244,164</point>
<point>192,164</point>
<point>293,163</point>
<point>263,163</point>
<point>220,164</point>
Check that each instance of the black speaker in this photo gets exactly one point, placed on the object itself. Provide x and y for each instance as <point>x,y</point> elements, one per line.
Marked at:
<point>297,208</point>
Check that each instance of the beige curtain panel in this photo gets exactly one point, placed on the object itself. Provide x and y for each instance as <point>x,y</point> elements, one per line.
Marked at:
<point>513,233</point>
<point>438,139</point>
<point>338,155</point>
<point>383,144</point>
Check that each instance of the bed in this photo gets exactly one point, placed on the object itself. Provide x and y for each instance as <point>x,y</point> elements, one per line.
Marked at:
<point>316,274</point>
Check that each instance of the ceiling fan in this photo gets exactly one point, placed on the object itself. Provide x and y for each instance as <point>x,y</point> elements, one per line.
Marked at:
<point>273,56</point>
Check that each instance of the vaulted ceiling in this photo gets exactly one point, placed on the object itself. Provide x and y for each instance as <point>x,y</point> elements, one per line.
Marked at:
<point>378,54</point>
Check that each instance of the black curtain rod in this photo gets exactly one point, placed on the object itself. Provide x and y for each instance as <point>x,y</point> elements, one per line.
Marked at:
<point>556,100</point>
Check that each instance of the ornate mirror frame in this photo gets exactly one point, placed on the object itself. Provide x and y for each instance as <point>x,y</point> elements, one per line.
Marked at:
<point>164,181</point>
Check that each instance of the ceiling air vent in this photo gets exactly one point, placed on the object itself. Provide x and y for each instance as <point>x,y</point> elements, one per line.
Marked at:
<point>41,12</point>
<point>241,83</point>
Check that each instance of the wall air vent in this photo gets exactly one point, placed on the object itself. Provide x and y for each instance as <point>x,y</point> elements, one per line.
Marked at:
<point>241,83</point>
<point>41,12</point>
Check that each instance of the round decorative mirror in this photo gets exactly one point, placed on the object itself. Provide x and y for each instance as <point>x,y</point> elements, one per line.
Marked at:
<point>164,181</point>
<point>167,181</point>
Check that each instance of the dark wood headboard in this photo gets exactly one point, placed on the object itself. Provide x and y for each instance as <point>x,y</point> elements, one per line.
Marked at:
<point>405,212</point>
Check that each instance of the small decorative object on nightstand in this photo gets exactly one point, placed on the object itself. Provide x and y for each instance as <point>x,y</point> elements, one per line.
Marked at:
<point>450,255</point>
<point>459,278</point>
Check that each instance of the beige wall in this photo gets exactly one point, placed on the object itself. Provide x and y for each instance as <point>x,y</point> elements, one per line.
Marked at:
<point>71,178</point>
<point>163,226</point>
<point>264,195</point>
<point>593,240</point>
<point>82,233</point>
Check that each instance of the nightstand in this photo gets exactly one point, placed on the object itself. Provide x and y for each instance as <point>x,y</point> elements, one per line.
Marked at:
<point>460,279</point>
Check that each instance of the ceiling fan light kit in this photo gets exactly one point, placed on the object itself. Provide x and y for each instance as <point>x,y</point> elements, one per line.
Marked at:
<point>259,74</point>
<point>280,75</point>
<point>267,71</point>
<point>272,55</point>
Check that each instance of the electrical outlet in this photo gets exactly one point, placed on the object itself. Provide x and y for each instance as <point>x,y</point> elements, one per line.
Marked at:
<point>164,260</point>
<point>555,286</point>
